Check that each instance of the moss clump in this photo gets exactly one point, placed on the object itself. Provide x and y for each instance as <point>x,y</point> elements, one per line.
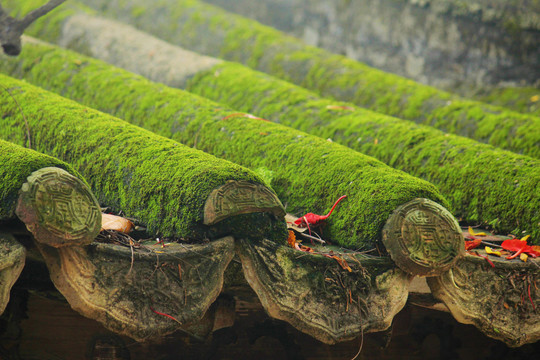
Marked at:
<point>308,173</point>
<point>522,99</point>
<point>484,185</point>
<point>17,163</point>
<point>213,31</point>
<point>160,182</point>
<point>496,188</point>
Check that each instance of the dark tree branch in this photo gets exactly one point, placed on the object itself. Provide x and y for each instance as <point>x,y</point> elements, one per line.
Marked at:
<point>34,14</point>
<point>12,29</point>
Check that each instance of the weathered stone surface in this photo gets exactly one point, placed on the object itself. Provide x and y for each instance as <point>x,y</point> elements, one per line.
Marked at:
<point>122,289</point>
<point>502,301</point>
<point>112,46</point>
<point>240,197</point>
<point>58,208</point>
<point>439,42</point>
<point>12,258</point>
<point>423,238</point>
<point>315,295</point>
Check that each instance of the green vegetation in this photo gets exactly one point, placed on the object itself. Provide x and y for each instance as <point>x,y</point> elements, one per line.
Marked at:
<point>160,182</point>
<point>307,172</point>
<point>522,99</point>
<point>484,185</point>
<point>210,30</point>
<point>17,163</point>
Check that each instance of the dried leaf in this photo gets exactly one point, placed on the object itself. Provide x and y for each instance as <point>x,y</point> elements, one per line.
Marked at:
<point>471,244</point>
<point>490,251</point>
<point>341,261</point>
<point>233,115</point>
<point>523,257</point>
<point>118,223</point>
<point>305,248</point>
<point>291,240</point>
<point>520,246</point>
<point>471,231</point>
<point>515,245</point>
<point>339,107</point>
<point>525,238</point>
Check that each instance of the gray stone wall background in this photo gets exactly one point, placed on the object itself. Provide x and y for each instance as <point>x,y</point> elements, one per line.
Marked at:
<point>445,43</point>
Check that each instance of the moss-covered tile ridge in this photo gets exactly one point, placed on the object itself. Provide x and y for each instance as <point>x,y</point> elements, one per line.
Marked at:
<point>480,181</point>
<point>210,30</point>
<point>308,173</point>
<point>521,99</point>
<point>16,164</point>
<point>162,183</point>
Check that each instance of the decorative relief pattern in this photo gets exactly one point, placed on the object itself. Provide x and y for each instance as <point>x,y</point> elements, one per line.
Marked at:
<point>58,208</point>
<point>240,197</point>
<point>316,296</point>
<point>12,259</point>
<point>122,289</point>
<point>502,301</point>
<point>423,238</point>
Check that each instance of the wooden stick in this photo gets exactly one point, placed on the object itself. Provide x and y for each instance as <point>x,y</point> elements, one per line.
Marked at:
<point>11,29</point>
<point>35,14</point>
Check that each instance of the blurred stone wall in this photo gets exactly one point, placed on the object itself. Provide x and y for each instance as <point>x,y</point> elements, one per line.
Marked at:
<point>445,43</point>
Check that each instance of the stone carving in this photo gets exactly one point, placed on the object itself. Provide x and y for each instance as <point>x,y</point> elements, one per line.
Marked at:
<point>240,197</point>
<point>502,301</point>
<point>121,289</point>
<point>58,208</point>
<point>315,295</point>
<point>423,238</point>
<point>12,259</point>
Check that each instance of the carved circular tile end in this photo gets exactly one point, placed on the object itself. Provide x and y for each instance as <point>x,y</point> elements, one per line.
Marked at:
<point>58,208</point>
<point>240,197</point>
<point>423,238</point>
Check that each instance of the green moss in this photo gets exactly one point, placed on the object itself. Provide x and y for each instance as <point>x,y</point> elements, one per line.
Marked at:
<point>522,99</point>
<point>463,180</point>
<point>17,163</point>
<point>266,174</point>
<point>481,182</point>
<point>309,173</point>
<point>213,31</point>
<point>156,180</point>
